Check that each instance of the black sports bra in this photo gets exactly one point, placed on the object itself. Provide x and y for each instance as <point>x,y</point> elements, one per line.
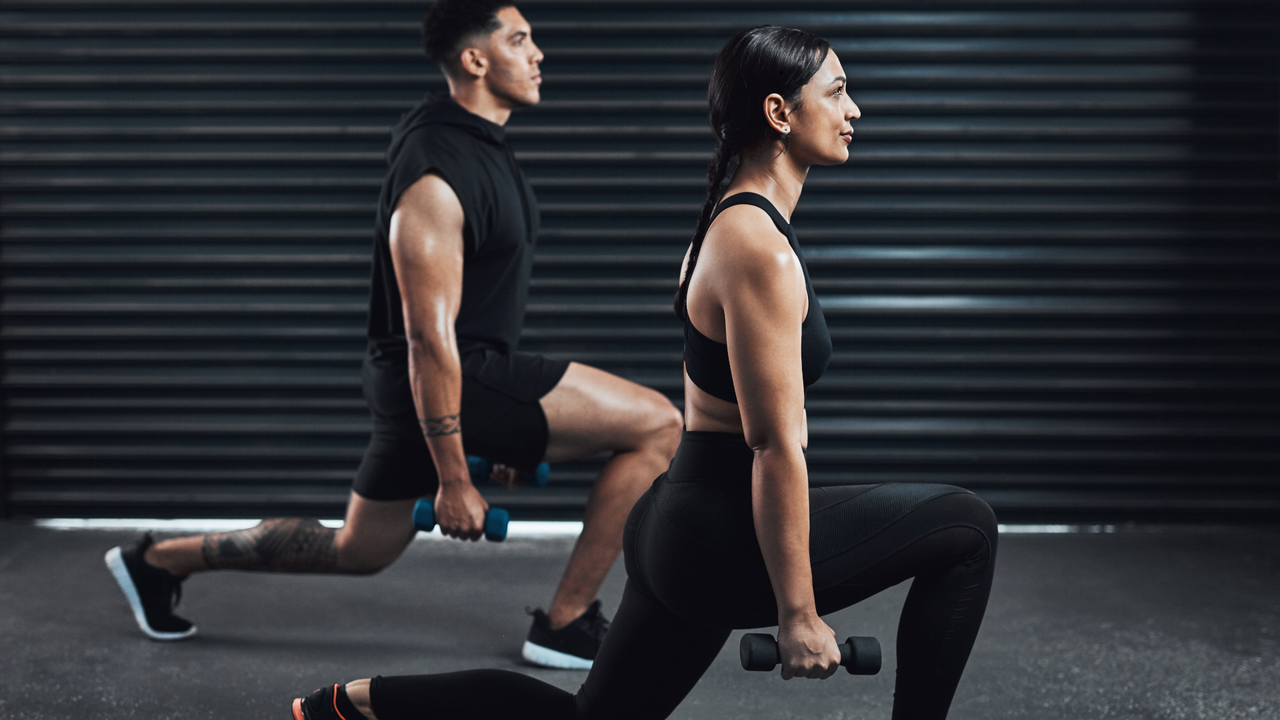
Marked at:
<point>707,361</point>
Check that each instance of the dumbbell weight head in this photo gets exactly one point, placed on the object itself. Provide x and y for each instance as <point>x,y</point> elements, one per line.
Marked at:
<point>540,476</point>
<point>477,468</point>
<point>863,656</point>
<point>758,652</point>
<point>424,515</point>
<point>495,527</point>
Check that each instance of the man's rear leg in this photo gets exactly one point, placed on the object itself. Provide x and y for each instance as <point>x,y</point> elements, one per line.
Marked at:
<point>151,575</point>
<point>373,536</point>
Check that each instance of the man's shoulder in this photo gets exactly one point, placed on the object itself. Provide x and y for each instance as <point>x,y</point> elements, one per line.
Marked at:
<point>434,148</point>
<point>434,138</point>
<point>450,151</point>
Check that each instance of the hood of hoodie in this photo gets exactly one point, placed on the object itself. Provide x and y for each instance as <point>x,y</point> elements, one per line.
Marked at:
<point>437,110</point>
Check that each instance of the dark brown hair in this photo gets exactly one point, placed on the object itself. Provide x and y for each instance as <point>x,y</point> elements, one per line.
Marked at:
<point>449,22</point>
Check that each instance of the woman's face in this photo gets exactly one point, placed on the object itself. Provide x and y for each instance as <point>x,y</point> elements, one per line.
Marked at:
<point>820,128</point>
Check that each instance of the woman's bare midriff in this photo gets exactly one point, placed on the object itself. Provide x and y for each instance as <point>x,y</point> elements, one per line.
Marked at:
<point>704,412</point>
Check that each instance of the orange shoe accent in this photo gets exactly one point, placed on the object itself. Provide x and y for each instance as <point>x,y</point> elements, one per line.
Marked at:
<point>335,702</point>
<point>297,709</point>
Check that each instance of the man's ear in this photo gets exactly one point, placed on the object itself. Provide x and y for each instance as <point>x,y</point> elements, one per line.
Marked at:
<point>777,114</point>
<point>473,62</point>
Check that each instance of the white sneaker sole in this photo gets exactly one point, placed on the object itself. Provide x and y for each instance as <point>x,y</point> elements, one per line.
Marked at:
<point>545,657</point>
<point>115,563</point>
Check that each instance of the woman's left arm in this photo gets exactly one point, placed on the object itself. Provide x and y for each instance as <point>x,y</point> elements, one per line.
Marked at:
<point>764,307</point>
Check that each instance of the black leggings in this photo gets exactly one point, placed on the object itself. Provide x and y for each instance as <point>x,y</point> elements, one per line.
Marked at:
<point>695,573</point>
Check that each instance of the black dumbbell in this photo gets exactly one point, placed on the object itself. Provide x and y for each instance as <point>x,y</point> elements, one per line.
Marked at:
<point>858,655</point>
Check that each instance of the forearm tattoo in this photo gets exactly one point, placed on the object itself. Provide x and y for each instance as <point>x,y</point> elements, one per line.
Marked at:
<point>277,545</point>
<point>438,426</point>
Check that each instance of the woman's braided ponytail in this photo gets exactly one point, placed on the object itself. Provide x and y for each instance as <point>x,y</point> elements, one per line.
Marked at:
<point>717,175</point>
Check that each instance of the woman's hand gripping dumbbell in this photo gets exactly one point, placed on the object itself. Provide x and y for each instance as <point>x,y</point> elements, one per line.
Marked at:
<point>858,655</point>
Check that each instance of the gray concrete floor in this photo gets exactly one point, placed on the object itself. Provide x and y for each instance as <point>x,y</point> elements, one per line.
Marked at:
<point>1176,624</point>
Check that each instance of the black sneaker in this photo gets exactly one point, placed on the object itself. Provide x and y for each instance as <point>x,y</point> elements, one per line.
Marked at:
<point>572,647</point>
<point>323,705</point>
<point>152,593</point>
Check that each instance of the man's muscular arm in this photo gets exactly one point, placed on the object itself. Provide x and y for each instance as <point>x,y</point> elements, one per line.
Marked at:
<point>427,250</point>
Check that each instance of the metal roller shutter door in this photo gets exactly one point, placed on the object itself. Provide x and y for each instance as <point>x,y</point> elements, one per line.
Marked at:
<point>1051,267</point>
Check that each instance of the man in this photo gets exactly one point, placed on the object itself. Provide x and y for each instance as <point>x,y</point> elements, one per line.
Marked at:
<point>453,251</point>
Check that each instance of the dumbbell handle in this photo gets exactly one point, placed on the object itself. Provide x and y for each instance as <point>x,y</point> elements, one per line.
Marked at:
<point>858,655</point>
<point>495,521</point>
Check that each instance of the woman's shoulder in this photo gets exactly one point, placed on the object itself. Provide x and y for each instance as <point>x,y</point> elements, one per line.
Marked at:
<point>747,227</point>
<point>745,240</point>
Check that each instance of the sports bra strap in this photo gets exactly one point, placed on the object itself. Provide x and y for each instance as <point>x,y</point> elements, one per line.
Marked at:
<point>750,198</point>
<point>744,198</point>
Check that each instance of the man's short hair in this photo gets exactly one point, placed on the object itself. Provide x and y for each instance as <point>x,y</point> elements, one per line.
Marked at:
<point>450,22</point>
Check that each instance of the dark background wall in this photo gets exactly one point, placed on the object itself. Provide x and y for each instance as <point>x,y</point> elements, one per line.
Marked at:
<point>1051,266</point>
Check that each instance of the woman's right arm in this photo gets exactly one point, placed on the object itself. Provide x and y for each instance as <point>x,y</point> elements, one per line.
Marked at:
<point>761,287</point>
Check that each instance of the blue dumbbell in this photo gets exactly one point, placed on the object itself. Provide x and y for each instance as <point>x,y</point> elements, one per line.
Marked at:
<point>479,468</point>
<point>495,521</point>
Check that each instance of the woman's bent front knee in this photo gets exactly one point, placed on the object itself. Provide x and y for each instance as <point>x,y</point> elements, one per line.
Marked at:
<point>979,515</point>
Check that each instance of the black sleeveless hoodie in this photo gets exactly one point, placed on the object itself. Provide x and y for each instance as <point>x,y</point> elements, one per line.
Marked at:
<point>500,232</point>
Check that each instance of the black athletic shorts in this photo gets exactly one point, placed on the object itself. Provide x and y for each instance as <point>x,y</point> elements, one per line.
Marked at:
<point>501,418</point>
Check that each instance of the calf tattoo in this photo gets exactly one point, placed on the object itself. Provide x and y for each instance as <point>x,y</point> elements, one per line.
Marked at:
<point>443,425</point>
<point>276,545</point>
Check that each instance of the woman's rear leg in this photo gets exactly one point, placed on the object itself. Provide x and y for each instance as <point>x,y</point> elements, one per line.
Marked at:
<point>649,661</point>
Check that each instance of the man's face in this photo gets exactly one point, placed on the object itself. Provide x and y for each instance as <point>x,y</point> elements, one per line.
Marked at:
<point>513,60</point>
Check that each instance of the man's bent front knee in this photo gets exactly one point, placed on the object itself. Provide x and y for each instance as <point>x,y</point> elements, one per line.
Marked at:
<point>669,425</point>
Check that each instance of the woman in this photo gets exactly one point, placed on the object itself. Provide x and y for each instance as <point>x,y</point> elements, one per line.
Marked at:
<point>731,536</point>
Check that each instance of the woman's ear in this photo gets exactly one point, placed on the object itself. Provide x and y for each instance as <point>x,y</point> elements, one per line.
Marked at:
<point>473,62</point>
<point>777,112</point>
